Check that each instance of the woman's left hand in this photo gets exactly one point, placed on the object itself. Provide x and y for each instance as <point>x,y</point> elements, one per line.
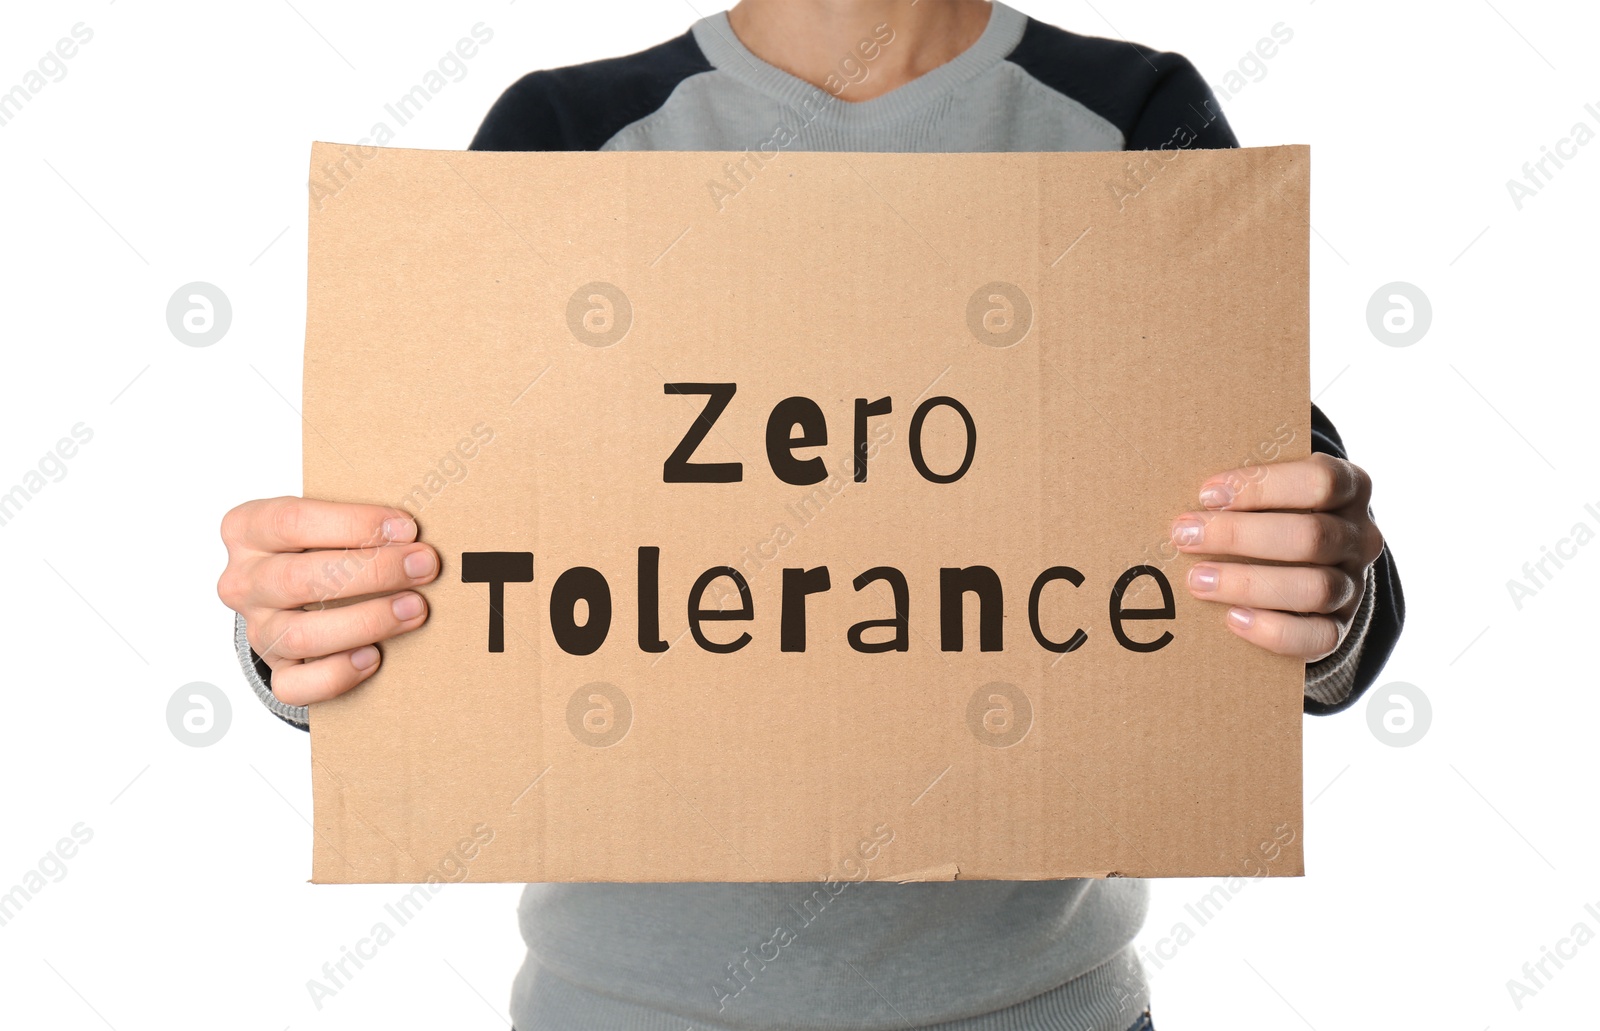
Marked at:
<point>1310,516</point>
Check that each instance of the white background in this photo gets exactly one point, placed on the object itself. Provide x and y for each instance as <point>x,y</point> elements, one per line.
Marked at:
<point>175,150</point>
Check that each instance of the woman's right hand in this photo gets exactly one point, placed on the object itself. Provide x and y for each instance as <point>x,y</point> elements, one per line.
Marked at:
<point>289,557</point>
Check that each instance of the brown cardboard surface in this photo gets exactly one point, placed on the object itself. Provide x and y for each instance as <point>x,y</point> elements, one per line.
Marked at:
<point>489,335</point>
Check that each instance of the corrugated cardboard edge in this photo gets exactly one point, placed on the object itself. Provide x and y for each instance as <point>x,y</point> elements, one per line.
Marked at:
<point>942,872</point>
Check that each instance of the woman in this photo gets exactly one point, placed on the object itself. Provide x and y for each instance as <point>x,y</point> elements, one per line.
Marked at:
<point>879,75</point>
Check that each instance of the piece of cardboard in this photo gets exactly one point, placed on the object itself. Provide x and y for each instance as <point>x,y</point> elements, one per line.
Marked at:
<point>489,339</point>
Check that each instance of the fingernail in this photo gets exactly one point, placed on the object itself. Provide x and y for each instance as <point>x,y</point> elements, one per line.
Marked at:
<point>1204,578</point>
<point>364,658</point>
<point>1241,619</point>
<point>407,607</point>
<point>419,563</point>
<point>401,530</point>
<point>1218,495</point>
<point>1187,531</point>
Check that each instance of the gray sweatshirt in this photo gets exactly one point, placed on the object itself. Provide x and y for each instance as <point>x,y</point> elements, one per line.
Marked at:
<point>956,956</point>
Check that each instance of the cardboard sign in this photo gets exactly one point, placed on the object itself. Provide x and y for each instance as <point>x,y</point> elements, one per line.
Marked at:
<point>817,531</point>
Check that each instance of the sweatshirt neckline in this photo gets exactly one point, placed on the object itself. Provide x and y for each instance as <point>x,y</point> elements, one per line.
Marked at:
<point>728,54</point>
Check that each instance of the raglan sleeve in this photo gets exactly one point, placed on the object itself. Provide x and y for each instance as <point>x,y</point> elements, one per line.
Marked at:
<point>1179,111</point>
<point>525,118</point>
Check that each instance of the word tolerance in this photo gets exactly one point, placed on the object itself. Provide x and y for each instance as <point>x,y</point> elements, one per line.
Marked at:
<point>589,586</point>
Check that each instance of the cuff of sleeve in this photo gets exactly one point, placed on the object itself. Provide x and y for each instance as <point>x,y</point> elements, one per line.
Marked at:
<point>259,675</point>
<point>1330,679</point>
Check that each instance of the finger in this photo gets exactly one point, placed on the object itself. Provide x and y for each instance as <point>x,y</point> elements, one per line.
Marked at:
<point>1315,538</point>
<point>1286,588</point>
<point>1284,633</point>
<point>304,683</point>
<point>295,524</point>
<point>292,634</point>
<point>1321,483</point>
<point>289,581</point>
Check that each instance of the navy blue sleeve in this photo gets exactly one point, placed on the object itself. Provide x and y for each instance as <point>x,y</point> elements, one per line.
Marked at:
<point>1156,99</point>
<point>1389,605</point>
<point>582,106</point>
<point>1180,111</point>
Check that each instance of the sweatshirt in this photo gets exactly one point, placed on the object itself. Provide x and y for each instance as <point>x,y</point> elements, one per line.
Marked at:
<point>951,956</point>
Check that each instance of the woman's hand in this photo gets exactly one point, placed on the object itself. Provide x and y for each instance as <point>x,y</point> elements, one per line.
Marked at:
<point>288,554</point>
<point>1311,518</point>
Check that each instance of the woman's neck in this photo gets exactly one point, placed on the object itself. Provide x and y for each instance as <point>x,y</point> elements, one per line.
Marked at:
<point>858,49</point>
